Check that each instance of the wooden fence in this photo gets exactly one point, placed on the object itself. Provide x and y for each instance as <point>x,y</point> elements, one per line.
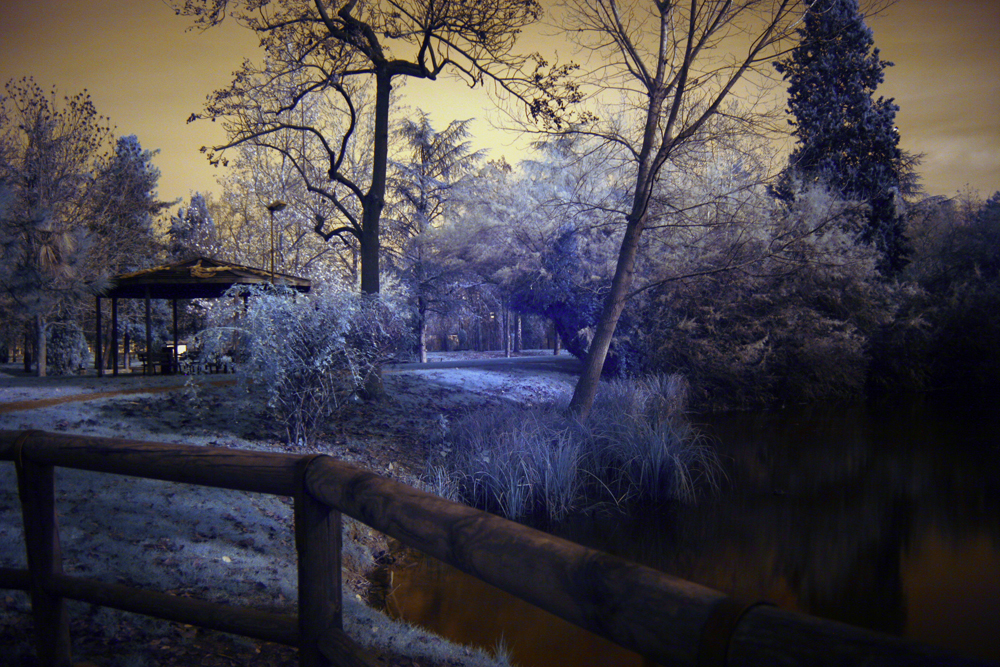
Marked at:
<point>668,620</point>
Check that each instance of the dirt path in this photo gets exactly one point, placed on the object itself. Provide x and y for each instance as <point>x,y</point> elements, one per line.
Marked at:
<point>17,406</point>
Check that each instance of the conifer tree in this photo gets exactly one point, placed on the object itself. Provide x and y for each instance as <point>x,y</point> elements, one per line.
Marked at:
<point>124,205</point>
<point>847,140</point>
<point>436,175</point>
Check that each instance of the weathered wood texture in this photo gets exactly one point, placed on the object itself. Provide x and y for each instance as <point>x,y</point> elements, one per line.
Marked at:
<point>658,616</point>
<point>41,537</point>
<point>259,472</point>
<point>278,628</point>
<point>15,579</point>
<point>634,606</point>
<point>317,540</point>
<point>773,636</point>
<point>668,620</point>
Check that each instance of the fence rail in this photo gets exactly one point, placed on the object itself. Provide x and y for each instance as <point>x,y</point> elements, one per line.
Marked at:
<point>668,620</point>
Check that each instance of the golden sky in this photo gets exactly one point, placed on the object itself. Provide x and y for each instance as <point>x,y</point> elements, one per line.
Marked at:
<point>148,74</point>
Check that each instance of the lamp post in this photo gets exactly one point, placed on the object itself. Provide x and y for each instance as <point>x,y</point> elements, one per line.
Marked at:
<point>273,208</point>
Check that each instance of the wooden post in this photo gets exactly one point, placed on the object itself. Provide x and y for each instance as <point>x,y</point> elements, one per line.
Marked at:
<point>98,352</point>
<point>176,359</point>
<point>318,541</point>
<point>114,336</point>
<point>506,331</point>
<point>36,487</point>
<point>147,366</point>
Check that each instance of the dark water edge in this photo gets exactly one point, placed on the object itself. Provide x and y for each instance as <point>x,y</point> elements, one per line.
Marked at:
<point>885,515</point>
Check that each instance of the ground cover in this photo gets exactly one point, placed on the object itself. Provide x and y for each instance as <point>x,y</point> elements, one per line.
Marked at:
<point>222,545</point>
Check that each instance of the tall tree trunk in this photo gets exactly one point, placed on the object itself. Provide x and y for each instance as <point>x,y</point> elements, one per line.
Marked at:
<point>614,303</point>
<point>127,351</point>
<point>373,203</point>
<point>40,346</point>
<point>422,329</point>
<point>590,376</point>
<point>518,340</point>
<point>374,200</point>
<point>27,348</point>
<point>506,332</point>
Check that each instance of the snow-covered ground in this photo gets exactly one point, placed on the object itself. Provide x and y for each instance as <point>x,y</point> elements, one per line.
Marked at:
<point>216,544</point>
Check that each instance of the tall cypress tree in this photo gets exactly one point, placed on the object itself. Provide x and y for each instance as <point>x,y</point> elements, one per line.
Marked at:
<point>846,138</point>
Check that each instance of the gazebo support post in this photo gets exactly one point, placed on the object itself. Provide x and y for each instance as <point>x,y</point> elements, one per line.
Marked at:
<point>177,357</point>
<point>148,363</point>
<point>98,343</point>
<point>114,336</point>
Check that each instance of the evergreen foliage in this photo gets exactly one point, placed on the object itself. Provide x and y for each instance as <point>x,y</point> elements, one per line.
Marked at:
<point>124,206</point>
<point>430,185</point>
<point>66,348</point>
<point>192,231</point>
<point>847,140</point>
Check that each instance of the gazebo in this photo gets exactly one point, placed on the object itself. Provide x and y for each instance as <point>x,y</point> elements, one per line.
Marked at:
<point>196,278</point>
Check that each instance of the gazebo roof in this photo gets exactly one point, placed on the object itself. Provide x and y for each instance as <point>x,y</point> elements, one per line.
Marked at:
<point>196,278</point>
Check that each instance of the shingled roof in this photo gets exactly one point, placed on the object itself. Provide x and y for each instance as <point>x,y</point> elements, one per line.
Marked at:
<point>196,278</point>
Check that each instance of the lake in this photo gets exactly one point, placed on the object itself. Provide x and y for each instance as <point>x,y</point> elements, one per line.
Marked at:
<point>885,515</point>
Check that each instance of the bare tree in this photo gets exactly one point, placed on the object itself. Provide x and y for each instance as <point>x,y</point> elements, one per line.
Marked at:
<point>257,178</point>
<point>337,50</point>
<point>670,67</point>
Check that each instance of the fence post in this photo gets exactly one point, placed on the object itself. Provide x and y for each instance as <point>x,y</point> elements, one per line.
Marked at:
<point>318,541</point>
<point>41,537</point>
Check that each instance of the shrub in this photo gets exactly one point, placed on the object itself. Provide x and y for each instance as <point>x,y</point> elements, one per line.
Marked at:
<point>945,331</point>
<point>789,320</point>
<point>305,356</point>
<point>516,461</point>
<point>66,349</point>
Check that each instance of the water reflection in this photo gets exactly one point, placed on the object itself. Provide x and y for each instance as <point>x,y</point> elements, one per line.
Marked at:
<point>884,515</point>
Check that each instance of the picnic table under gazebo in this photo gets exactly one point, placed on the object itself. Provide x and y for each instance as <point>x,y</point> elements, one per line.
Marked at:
<point>196,278</point>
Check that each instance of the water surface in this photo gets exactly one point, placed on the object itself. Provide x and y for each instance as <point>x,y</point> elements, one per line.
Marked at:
<point>884,515</point>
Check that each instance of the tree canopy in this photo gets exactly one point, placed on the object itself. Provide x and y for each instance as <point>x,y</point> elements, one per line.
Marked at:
<point>665,71</point>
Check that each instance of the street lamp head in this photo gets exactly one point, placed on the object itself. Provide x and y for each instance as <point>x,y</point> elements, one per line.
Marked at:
<point>276,206</point>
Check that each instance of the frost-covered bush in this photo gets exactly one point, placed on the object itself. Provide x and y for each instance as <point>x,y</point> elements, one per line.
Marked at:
<point>66,350</point>
<point>788,318</point>
<point>304,356</point>
<point>947,323</point>
<point>636,446</point>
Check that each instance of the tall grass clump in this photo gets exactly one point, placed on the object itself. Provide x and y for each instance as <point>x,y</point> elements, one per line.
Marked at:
<point>641,444</point>
<point>636,446</point>
<point>517,461</point>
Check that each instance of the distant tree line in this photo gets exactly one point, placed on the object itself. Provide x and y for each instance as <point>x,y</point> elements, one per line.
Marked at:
<point>656,232</point>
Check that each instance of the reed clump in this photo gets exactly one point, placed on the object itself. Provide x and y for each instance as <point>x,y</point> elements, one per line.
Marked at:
<point>637,446</point>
